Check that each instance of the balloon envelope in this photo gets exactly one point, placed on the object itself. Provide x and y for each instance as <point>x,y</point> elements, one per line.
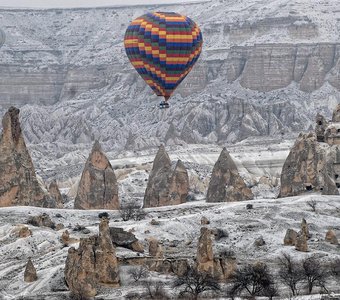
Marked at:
<point>163,47</point>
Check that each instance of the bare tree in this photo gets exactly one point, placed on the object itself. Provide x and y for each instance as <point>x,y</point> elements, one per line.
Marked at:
<point>131,210</point>
<point>290,273</point>
<point>312,204</point>
<point>314,273</point>
<point>155,290</point>
<point>194,283</point>
<point>138,273</point>
<point>255,279</point>
<point>335,268</point>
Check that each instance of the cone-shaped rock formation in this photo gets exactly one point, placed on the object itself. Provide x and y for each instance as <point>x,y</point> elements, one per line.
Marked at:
<point>98,188</point>
<point>55,194</point>
<point>226,184</point>
<point>18,181</point>
<point>166,187</point>
<point>179,184</point>
<point>30,273</point>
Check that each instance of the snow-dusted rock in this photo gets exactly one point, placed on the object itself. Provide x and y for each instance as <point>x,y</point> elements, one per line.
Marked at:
<point>92,264</point>
<point>98,188</point>
<point>331,237</point>
<point>307,168</point>
<point>30,273</point>
<point>205,255</point>
<point>226,184</point>
<point>18,181</point>
<point>290,237</point>
<point>166,186</point>
<point>54,191</point>
<point>301,243</point>
<point>125,239</point>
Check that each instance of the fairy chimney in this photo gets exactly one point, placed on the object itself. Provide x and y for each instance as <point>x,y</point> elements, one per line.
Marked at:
<point>205,256</point>
<point>55,194</point>
<point>226,184</point>
<point>30,273</point>
<point>93,264</point>
<point>18,181</point>
<point>98,188</point>
<point>166,187</point>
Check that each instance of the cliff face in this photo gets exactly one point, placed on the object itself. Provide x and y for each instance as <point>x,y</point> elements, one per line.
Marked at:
<point>266,67</point>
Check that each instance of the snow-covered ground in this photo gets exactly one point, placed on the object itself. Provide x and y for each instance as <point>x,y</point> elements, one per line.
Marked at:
<point>269,218</point>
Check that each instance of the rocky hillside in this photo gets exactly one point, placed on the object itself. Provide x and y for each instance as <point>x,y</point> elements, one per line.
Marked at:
<point>266,68</point>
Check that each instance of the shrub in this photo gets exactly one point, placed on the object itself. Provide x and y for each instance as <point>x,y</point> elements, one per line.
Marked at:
<point>249,206</point>
<point>131,210</point>
<point>221,233</point>
<point>138,273</point>
<point>103,215</point>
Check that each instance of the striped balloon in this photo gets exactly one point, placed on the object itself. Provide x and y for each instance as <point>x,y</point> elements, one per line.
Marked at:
<point>163,47</point>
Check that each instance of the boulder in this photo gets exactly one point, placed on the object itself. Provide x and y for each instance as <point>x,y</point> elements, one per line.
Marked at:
<point>205,256</point>
<point>125,239</point>
<point>331,237</point>
<point>226,184</point>
<point>290,237</point>
<point>42,220</point>
<point>59,226</point>
<point>259,242</point>
<point>301,243</point>
<point>30,273</point>
<point>24,232</point>
<point>18,181</point>
<point>55,194</point>
<point>154,222</point>
<point>98,187</point>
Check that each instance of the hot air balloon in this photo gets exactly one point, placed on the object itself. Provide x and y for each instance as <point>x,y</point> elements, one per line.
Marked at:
<point>163,47</point>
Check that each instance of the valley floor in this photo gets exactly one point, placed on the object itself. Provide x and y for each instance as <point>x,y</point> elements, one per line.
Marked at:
<point>178,232</point>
